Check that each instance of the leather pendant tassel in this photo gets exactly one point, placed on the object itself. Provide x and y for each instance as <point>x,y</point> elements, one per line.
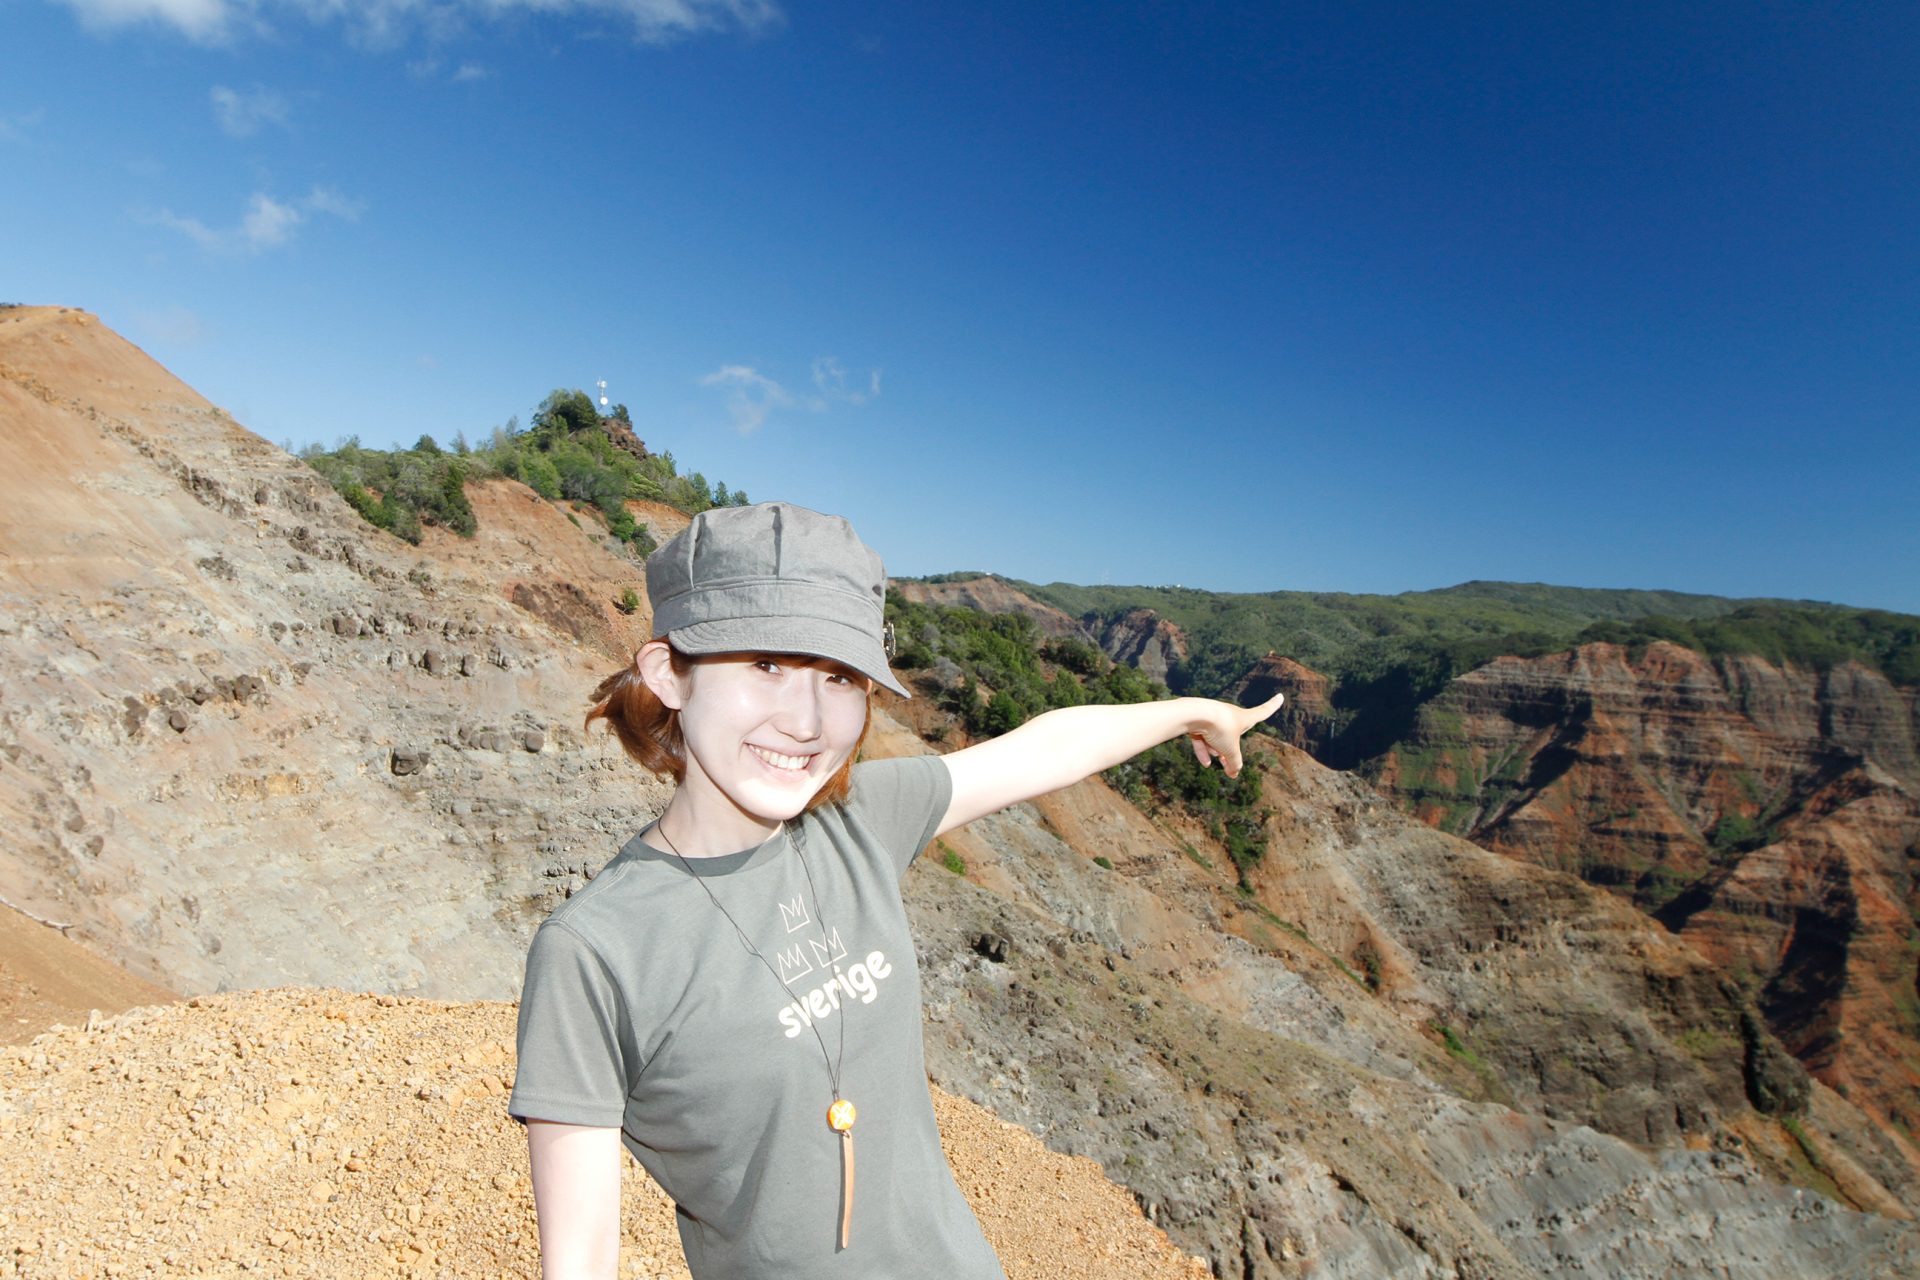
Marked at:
<point>846,1184</point>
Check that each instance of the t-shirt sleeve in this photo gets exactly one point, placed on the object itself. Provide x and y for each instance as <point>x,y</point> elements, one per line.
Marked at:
<point>574,1039</point>
<point>901,801</point>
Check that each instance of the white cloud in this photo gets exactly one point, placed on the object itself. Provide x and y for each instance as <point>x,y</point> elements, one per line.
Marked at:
<point>15,128</point>
<point>385,23</point>
<point>327,200</point>
<point>205,21</point>
<point>751,396</point>
<point>241,114</point>
<point>470,71</point>
<point>266,223</point>
<point>831,380</point>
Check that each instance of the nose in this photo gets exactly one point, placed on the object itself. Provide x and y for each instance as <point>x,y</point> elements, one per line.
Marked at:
<point>799,715</point>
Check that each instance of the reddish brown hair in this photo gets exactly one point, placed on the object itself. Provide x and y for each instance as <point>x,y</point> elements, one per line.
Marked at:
<point>649,729</point>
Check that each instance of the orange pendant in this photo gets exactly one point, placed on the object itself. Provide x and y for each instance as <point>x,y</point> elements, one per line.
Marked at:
<point>840,1120</point>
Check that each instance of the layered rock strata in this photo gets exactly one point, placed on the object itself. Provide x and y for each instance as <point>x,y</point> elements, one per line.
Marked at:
<point>1768,815</point>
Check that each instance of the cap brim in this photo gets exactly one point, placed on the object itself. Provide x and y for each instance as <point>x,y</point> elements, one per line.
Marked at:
<point>851,647</point>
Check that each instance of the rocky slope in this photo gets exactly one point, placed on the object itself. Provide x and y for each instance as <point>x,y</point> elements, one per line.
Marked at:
<point>242,728</point>
<point>1770,816</point>
<point>991,595</point>
<point>1138,637</point>
<point>248,741</point>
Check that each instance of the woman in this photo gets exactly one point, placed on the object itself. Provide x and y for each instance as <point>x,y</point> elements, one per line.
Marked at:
<point>735,995</point>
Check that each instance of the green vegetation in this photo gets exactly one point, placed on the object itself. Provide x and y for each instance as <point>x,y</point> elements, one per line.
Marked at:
<point>1816,636</point>
<point>1458,1047</point>
<point>1103,861</point>
<point>951,860</point>
<point>1009,672</point>
<point>566,455</point>
<point>1704,1043</point>
<point>402,489</point>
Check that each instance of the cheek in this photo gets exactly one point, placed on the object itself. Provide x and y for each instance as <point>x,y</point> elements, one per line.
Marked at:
<point>849,721</point>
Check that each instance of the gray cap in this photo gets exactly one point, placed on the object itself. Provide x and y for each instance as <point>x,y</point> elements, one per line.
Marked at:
<point>773,578</point>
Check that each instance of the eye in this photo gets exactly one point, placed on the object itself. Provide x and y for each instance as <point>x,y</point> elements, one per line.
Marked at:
<point>769,665</point>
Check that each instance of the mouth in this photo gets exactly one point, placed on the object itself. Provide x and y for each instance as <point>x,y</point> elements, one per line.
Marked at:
<point>791,765</point>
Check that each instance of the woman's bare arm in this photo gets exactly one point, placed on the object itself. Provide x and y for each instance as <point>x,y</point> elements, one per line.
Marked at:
<point>1061,747</point>
<point>576,1193</point>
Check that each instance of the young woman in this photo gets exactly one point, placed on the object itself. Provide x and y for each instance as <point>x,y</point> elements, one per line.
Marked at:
<point>734,998</point>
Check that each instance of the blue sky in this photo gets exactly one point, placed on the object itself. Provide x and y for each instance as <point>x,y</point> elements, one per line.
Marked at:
<point>1328,297</point>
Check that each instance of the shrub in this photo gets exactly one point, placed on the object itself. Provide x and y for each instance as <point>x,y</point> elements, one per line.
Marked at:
<point>951,860</point>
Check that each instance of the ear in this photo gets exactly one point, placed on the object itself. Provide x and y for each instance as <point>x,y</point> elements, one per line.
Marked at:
<point>654,665</point>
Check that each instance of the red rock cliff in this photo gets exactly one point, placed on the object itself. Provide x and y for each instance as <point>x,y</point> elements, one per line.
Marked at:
<point>1769,815</point>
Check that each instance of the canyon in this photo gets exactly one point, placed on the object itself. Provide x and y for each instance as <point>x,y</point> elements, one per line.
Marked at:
<point>249,742</point>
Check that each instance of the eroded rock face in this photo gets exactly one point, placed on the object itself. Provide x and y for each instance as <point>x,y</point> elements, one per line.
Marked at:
<point>228,760</point>
<point>1768,815</point>
<point>1143,639</point>
<point>989,594</point>
<point>1303,720</point>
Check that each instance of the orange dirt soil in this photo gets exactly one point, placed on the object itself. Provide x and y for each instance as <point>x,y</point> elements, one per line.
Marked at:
<point>304,1132</point>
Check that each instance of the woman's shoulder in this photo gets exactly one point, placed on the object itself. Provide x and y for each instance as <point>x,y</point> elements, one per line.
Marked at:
<point>606,899</point>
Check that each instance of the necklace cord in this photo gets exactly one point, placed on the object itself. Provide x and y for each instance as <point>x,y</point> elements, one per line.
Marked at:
<point>833,1064</point>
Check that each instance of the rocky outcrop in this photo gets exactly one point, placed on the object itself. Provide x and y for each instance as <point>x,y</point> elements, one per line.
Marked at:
<point>1769,815</point>
<point>1142,638</point>
<point>1305,720</point>
<point>624,439</point>
<point>989,594</point>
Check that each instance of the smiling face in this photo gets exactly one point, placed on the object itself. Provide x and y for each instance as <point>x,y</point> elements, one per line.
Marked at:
<point>763,733</point>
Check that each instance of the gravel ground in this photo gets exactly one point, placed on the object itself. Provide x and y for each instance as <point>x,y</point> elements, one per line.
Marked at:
<point>318,1133</point>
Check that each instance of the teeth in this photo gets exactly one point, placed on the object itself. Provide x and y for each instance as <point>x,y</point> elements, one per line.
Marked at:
<point>777,760</point>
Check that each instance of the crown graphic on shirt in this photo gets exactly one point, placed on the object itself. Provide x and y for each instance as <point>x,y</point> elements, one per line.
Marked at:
<point>794,962</point>
<point>794,915</point>
<point>828,953</point>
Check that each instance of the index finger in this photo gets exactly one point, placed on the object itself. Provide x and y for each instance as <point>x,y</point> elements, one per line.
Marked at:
<point>1265,709</point>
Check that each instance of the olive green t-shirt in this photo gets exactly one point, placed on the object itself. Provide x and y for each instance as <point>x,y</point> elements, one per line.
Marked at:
<point>645,1008</point>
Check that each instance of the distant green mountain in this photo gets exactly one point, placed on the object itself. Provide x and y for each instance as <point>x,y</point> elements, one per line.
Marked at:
<point>1343,634</point>
<point>1386,655</point>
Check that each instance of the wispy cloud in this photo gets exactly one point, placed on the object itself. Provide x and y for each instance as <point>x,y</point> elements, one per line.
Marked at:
<point>835,387</point>
<point>16,127</point>
<point>433,68</point>
<point>751,396</point>
<point>266,224</point>
<point>242,113</point>
<point>329,201</point>
<point>386,23</point>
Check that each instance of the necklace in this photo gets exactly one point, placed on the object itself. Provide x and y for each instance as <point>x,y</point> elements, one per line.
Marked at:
<point>840,1113</point>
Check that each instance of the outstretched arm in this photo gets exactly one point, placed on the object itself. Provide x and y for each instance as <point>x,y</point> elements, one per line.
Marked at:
<point>1061,747</point>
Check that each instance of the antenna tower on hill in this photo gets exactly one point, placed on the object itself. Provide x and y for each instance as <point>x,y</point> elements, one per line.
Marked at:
<point>602,384</point>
